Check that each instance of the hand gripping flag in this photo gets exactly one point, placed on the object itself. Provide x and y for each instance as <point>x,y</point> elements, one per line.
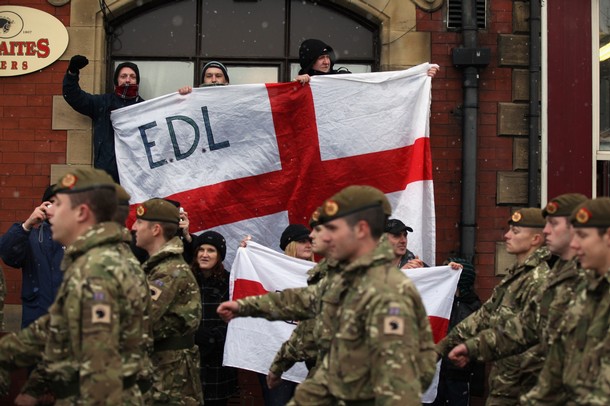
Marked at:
<point>253,342</point>
<point>250,159</point>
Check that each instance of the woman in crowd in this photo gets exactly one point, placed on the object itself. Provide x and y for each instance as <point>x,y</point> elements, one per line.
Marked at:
<point>219,383</point>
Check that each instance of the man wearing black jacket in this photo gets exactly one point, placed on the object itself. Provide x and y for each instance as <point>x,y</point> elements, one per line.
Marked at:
<point>99,106</point>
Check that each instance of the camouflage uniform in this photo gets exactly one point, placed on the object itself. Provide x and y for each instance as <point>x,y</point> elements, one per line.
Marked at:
<point>24,349</point>
<point>92,339</point>
<point>176,312</point>
<point>577,367</point>
<point>302,345</point>
<point>381,350</point>
<point>512,376</point>
<point>381,293</point>
<point>536,323</point>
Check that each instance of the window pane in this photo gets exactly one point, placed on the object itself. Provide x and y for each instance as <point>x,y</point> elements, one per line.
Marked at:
<point>604,75</point>
<point>158,77</point>
<point>167,30</point>
<point>350,39</point>
<point>237,29</point>
<point>241,75</point>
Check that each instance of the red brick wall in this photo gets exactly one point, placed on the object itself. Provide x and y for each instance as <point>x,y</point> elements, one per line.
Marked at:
<point>494,152</point>
<point>28,145</point>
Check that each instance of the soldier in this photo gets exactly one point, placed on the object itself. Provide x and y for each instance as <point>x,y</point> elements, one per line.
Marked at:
<point>512,376</point>
<point>576,369</point>
<point>369,353</point>
<point>538,321</point>
<point>302,345</point>
<point>100,297</point>
<point>176,305</point>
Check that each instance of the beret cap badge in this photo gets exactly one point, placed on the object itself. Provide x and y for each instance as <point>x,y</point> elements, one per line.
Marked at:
<point>516,217</point>
<point>140,211</point>
<point>68,181</point>
<point>315,216</point>
<point>583,215</point>
<point>552,207</point>
<point>331,208</point>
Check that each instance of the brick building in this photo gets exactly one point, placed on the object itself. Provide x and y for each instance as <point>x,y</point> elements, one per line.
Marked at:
<point>481,153</point>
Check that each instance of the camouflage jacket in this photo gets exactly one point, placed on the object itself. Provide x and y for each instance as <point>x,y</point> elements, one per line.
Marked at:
<point>24,349</point>
<point>176,302</point>
<point>382,348</point>
<point>175,317</point>
<point>511,376</point>
<point>302,345</point>
<point>95,326</point>
<point>323,300</point>
<point>577,368</point>
<point>536,323</point>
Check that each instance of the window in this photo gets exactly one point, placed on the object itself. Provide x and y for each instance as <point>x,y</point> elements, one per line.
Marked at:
<point>602,127</point>
<point>258,40</point>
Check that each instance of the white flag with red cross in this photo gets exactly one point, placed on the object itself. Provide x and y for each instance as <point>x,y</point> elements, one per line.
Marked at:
<point>253,342</point>
<point>250,159</point>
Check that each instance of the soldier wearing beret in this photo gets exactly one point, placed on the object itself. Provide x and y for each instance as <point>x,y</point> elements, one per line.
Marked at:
<point>100,298</point>
<point>538,323</point>
<point>176,305</point>
<point>302,345</point>
<point>379,319</point>
<point>577,367</point>
<point>512,376</point>
<point>355,348</point>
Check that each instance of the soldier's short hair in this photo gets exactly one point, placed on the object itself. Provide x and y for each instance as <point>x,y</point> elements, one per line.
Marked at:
<point>375,218</point>
<point>101,201</point>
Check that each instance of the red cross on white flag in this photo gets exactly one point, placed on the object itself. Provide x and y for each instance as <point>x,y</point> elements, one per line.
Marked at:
<point>249,159</point>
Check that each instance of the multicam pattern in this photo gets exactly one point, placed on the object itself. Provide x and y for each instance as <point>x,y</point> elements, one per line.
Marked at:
<point>513,376</point>
<point>301,345</point>
<point>93,337</point>
<point>176,312</point>
<point>577,367</point>
<point>537,323</point>
<point>374,336</point>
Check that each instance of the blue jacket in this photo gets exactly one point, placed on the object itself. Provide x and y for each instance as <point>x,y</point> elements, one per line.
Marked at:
<point>39,258</point>
<point>98,108</point>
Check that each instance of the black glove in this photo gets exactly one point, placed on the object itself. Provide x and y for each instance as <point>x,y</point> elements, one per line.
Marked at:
<point>77,63</point>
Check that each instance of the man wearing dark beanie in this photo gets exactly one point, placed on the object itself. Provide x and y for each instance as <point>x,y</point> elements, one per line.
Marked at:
<point>98,107</point>
<point>318,58</point>
<point>213,73</point>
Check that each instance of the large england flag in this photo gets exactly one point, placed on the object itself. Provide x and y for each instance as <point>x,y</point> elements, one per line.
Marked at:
<point>250,159</point>
<point>253,342</point>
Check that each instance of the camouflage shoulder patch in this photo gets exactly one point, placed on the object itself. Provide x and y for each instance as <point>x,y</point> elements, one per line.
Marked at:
<point>394,325</point>
<point>155,292</point>
<point>101,313</point>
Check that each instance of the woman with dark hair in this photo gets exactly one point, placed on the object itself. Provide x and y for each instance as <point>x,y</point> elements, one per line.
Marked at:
<point>219,383</point>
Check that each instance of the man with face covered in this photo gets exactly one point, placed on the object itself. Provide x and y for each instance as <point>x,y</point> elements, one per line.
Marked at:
<point>99,106</point>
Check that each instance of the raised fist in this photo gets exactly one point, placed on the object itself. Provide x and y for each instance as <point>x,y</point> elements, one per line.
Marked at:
<point>77,63</point>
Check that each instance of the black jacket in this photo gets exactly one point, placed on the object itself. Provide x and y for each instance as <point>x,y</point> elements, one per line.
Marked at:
<point>98,108</point>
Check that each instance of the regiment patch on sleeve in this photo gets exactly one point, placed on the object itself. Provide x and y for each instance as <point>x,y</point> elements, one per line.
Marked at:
<point>101,313</point>
<point>394,325</point>
<point>155,292</point>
